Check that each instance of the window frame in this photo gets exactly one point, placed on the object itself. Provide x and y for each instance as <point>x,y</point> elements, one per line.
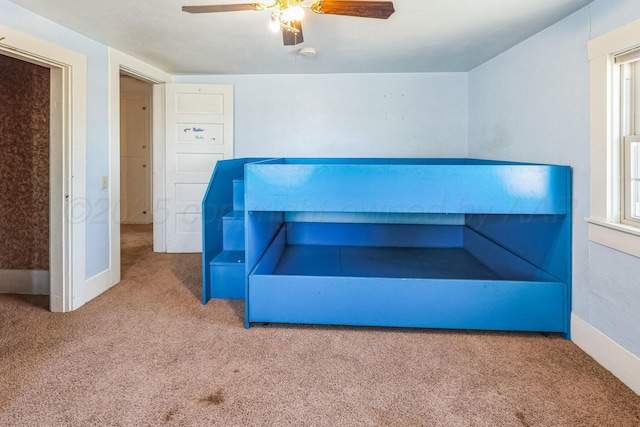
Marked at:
<point>630,213</point>
<point>606,223</point>
<point>628,70</point>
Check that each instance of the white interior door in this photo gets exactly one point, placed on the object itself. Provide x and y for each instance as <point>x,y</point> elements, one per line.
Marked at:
<point>199,132</point>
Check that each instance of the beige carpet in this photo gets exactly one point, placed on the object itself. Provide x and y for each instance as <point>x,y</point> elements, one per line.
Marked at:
<point>147,352</point>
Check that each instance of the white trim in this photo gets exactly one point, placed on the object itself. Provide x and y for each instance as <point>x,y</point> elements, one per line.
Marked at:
<point>622,228</point>
<point>617,41</point>
<point>620,237</point>
<point>97,284</point>
<point>604,194</point>
<point>30,282</point>
<point>158,151</point>
<point>600,130</point>
<point>68,162</point>
<point>628,56</point>
<point>121,62</point>
<point>611,355</point>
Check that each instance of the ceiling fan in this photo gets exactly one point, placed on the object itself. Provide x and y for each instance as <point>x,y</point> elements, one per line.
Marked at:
<point>287,14</point>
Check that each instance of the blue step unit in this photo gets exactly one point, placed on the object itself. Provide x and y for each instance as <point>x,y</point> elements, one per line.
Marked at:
<point>223,236</point>
<point>233,230</point>
<point>427,243</point>
<point>227,273</point>
<point>238,194</point>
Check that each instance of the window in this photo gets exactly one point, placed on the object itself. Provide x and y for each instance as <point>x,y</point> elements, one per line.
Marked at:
<point>614,210</point>
<point>632,180</point>
<point>628,65</point>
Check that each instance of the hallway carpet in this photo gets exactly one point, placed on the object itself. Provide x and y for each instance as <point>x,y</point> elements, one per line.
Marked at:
<point>148,353</point>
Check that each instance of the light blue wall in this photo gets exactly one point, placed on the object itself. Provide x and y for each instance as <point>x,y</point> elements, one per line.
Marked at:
<point>342,115</point>
<point>531,103</point>
<point>97,226</point>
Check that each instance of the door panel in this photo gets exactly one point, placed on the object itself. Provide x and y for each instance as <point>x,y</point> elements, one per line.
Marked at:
<point>134,199</point>
<point>135,158</point>
<point>199,132</point>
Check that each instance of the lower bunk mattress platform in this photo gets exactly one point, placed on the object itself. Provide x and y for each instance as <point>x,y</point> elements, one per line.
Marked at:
<point>477,285</point>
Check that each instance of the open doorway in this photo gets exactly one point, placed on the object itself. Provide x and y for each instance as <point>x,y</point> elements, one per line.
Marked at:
<point>121,65</point>
<point>136,205</point>
<point>66,173</point>
<point>136,129</point>
<point>25,120</point>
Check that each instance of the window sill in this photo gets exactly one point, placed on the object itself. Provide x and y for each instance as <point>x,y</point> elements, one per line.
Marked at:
<point>621,237</point>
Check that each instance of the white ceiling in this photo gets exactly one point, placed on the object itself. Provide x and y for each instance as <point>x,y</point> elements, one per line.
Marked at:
<point>421,36</point>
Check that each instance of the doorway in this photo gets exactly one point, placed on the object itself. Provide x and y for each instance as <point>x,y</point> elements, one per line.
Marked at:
<point>121,64</point>
<point>136,203</point>
<point>67,134</point>
<point>25,120</point>
<point>136,198</point>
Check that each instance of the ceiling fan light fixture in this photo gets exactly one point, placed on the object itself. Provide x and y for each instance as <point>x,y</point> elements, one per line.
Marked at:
<point>292,13</point>
<point>274,23</point>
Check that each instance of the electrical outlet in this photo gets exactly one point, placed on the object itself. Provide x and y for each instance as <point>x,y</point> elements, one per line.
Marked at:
<point>104,183</point>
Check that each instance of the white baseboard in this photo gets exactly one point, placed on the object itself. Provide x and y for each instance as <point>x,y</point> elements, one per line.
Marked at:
<point>98,284</point>
<point>611,355</point>
<point>30,282</point>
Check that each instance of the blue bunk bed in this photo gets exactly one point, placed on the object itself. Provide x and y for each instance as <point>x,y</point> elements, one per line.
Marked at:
<point>433,243</point>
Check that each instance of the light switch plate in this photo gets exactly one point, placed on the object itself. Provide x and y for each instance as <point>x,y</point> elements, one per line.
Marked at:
<point>104,183</point>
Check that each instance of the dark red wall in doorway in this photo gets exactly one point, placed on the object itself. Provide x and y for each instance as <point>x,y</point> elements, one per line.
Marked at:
<point>24,165</point>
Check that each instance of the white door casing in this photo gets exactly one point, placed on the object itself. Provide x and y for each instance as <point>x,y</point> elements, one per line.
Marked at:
<point>67,162</point>
<point>199,132</point>
<point>121,63</point>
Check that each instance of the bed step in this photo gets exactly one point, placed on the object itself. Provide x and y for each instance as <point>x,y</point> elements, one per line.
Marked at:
<point>233,231</point>
<point>238,194</point>
<point>227,275</point>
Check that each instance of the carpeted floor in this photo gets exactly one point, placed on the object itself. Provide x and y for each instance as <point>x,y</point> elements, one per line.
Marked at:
<point>147,352</point>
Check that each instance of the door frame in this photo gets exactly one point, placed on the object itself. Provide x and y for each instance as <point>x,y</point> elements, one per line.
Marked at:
<point>67,160</point>
<point>121,63</point>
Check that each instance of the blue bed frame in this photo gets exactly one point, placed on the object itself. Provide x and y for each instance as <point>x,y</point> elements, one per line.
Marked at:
<point>430,243</point>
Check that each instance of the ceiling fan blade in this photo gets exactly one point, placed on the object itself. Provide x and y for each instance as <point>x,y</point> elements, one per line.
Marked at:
<point>223,8</point>
<point>292,33</point>
<point>364,9</point>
